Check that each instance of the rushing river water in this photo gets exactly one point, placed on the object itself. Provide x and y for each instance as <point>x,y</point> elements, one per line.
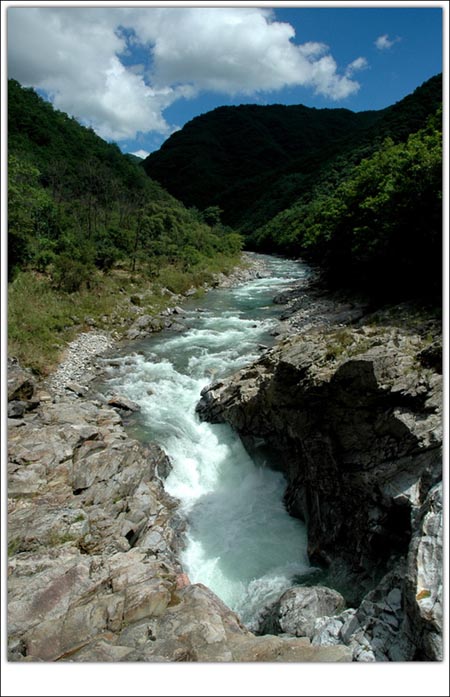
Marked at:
<point>240,542</point>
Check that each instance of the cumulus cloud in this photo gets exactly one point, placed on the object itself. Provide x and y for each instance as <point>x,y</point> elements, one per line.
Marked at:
<point>81,57</point>
<point>383,42</point>
<point>358,64</point>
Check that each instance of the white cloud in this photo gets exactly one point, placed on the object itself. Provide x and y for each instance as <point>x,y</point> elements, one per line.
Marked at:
<point>328,83</point>
<point>358,64</point>
<point>75,54</point>
<point>383,42</point>
<point>141,153</point>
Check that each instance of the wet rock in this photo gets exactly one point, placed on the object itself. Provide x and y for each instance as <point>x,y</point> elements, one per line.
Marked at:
<point>93,540</point>
<point>121,402</point>
<point>358,443</point>
<point>177,327</point>
<point>297,610</point>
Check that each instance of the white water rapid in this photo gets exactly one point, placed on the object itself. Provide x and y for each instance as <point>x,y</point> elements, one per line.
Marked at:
<point>241,542</point>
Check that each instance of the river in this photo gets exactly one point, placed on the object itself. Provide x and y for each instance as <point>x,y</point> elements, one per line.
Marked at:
<point>241,542</point>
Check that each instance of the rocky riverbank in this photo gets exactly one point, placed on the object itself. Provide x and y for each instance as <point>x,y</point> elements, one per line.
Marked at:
<point>93,538</point>
<point>352,402</point>
<point>79,364</point>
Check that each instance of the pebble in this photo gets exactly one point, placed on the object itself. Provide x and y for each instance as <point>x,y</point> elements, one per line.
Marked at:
<point>76,367</point>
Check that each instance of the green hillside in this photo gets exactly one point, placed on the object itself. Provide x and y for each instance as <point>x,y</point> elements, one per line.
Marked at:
<point>254,161</point>
<point>86,226</point>
<point>76,203</point>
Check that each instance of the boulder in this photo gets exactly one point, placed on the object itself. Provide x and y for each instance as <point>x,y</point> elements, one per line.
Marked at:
<point>21,385</point>
<point>297,610</point>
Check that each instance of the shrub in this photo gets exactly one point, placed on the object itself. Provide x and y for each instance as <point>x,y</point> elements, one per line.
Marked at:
<point>70,274</point>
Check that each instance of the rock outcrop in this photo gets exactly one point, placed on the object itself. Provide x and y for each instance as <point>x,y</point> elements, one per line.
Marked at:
<point>355,414</point>
<point>93,542</point>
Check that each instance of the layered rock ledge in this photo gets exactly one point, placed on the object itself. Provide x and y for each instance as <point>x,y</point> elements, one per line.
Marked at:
<point>93,538</point>
<point>354,414</point>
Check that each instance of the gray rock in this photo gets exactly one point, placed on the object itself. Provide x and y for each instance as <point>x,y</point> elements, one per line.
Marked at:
<point>177,327</point>
<point>124,403</point>
<point>79,390</point>
<point>297,610</point>
<point>358,421</point>
<point>134,333</point>
<point>21,385</point>
<point>93,570</point>
<point>423,584</point>
<point>16,409</point>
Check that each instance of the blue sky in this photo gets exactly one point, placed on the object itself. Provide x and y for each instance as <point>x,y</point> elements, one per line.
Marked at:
<point>136,74</point>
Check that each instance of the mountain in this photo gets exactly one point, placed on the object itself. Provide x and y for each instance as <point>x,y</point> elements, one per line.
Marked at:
<point>76,203</point>
<point>253,161</point>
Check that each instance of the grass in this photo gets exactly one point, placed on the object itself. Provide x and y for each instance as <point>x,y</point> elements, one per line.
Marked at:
<point>42,320</point>
<point>13,547</point>
<point>338,343</point>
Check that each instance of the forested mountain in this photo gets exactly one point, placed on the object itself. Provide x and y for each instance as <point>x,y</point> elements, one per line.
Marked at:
<point>360,194</point>
<point>239,150</point>
<point>76,203</point>
<point>254,161</point>
<point>354,192</point>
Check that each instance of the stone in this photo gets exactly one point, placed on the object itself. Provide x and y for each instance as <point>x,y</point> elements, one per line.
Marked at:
<point>94,540</point>
<point>124,403</point>
<point>177,327</point>
<point>133,333</point>
<point>297,610</point>
<point>356,415</point>
<point>21,385</point>
<point>424,582</point>
<point>79,390</point>
<point>16,409</point>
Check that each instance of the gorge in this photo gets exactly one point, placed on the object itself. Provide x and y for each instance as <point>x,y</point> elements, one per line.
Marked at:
<point>111,542</point>
<point>217,455</point>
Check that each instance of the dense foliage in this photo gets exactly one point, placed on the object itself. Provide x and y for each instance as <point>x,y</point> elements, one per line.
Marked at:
<point>77,204</point>
<point>255,161</point>
<point>380,229</point>
<point>360,194</point>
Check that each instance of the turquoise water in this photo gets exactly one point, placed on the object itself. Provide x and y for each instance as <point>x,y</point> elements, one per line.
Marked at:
<point>240,541</point>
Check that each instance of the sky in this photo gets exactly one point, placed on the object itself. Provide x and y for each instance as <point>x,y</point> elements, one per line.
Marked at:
<point>137,74</point>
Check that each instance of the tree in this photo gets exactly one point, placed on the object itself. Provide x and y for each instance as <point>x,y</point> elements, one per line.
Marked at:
<point>30,212</point>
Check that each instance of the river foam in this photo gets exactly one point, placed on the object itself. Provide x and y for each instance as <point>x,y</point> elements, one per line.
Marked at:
<point>241,542</point>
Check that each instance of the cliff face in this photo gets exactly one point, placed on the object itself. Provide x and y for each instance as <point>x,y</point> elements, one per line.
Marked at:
<point>355,416</point>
